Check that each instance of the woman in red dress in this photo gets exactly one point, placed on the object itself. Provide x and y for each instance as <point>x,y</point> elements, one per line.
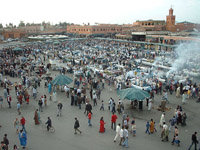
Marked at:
<point>102,129</point>
<point>27,99</point>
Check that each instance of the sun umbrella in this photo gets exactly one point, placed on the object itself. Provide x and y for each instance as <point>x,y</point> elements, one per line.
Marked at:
<point>18,49</point>
<point>133,94</point>
<point>61,80</point>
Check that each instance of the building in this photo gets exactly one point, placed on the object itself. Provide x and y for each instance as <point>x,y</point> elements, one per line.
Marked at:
<point>13,33</point>
<point>172,26</point>
<point>187,26</point>
<point>170,21</point>
<point>100,29</point>
<point>32,29</point>
<point>151,25</point>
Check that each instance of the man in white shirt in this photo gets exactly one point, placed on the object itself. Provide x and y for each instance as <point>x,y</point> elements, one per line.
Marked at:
<point>34,92</point>
<point>79,92</point>
<point>165,132</point>
<point>117,132</point>
<point>121,134</point>
<point>110,104</point>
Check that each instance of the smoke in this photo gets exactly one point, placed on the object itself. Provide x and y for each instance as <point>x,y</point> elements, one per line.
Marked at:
<point>186,60</point>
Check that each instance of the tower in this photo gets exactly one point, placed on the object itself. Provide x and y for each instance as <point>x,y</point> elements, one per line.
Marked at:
<point>170,21</point>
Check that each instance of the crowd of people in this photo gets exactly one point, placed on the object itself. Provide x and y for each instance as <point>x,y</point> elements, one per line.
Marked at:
<point>30,67</point>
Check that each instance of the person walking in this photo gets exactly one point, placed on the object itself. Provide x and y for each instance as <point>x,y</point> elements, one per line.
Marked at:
<point>60,105</point>
<point>133,127</point>
<point>113,121</point>
<point>121,134</point>
<point>76,126</point>
<point>89,119</point>
<point>102,105</point>
<point>16,125</point>
<point>194,141</point>
<point>118,128</point>
<point>184,117</point>
<point>34,93</point>
<point>102,128</point>
<point>9,99</point>
<point>110,104</point>
<point>113,107</point>
<point>165,132</point>
<point>162,119</point>
<point>172,123</point>
<point>1,101</point>
<point>175,133</point>
<point>23,139</point>
<point>23,122</point>
<point>147,127</point>
<point>184,96</point>
<point>36,118</point>
<point>94,96</point>
<point>5,93</point>
<point>152,126</point>
<point>40,103</point>
<point>6,141</point>
<point>18,108</point>
<point>125,143</point>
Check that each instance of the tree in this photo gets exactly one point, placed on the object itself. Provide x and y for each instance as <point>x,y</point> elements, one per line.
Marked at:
<point>21,24</point>
<point>1,26</point>
<point>10,25</point>
<point>28,24</point>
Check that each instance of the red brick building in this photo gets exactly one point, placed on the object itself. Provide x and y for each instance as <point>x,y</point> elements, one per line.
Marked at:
<point>170,21</point>
<point>13,33</point>
<point>183,26</point>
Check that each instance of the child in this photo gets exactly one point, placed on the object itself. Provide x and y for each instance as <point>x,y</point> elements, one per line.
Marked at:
<point>147,127</point>
<point>176,140</point>
<point>16,125</point>
<point>102,105</point>
<point>15,147</point>
<point>133,129</point>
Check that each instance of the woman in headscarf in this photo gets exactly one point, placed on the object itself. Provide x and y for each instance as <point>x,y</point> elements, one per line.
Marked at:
<point>162,119</point>
<point>102,129</point>
<point>152,126</point>
<point>49,88</point>
<point>36,118</point>
<point>178,92</point>
<point>23,139</point>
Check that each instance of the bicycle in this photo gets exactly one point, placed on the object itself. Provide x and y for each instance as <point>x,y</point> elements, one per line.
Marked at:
<point>51,129</point>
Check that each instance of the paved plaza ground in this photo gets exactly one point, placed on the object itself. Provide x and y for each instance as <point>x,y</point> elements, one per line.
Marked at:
<point>90,139</point>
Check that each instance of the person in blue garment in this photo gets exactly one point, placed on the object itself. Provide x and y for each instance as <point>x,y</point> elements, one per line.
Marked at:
<point>23,139</point>
<point>49,88</point>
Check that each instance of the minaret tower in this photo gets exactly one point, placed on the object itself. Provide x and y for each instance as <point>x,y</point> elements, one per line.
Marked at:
<point>170,21</point>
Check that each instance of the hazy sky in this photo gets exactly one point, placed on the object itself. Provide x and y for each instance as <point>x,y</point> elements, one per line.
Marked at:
<point>100,11</point>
